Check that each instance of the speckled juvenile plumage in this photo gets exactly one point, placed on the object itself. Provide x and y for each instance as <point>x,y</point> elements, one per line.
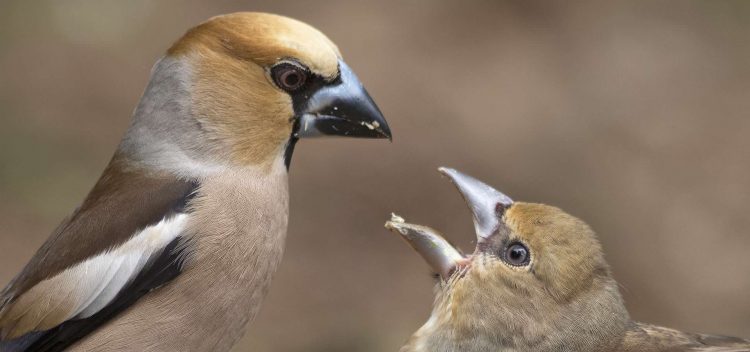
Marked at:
<point>561,298</point>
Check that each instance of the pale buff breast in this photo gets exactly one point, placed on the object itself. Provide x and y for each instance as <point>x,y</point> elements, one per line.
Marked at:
<point>238,231</point>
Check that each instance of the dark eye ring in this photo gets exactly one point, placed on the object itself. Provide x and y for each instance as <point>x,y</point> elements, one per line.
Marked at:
<point>289,77</point>
<point>517,254</point>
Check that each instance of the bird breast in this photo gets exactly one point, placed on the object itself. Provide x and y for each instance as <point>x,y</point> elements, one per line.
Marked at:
<point>236,228</point>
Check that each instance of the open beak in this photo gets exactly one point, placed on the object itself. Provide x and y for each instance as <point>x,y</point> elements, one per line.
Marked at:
<point>342,108</point>
<point>487,204</point>
<point>440,255</point>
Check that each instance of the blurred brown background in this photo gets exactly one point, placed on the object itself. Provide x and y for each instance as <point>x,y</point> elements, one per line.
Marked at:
<point>631,115</point>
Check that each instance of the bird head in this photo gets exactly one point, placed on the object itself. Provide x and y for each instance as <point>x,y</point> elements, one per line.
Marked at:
<point>537,279</point>
<point>242,88</point>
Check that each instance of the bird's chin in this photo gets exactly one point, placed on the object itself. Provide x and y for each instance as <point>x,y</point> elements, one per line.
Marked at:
<point>461,269</point>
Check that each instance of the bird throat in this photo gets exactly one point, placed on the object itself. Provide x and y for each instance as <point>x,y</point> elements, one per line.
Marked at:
<point>289,149</point>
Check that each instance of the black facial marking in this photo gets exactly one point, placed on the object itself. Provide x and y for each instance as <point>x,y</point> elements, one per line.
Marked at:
<point>290,145</point>
<point>300,97</point>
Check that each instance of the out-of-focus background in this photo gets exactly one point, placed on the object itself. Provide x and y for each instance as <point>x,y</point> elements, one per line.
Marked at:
<point>632,115</point>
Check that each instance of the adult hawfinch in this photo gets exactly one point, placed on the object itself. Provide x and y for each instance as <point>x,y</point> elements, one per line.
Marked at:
<point>175,246</point>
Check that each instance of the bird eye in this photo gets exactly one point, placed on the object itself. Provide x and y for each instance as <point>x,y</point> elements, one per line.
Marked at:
<point>517,254</point>
<point>289,77</point>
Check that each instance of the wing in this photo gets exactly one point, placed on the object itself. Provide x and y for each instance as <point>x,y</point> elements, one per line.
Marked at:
<point>651,338</point>
<point>123,241</point>
<point>719,343</point>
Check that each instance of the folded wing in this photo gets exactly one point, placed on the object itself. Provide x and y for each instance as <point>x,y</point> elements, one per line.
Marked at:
<point>125,240</point>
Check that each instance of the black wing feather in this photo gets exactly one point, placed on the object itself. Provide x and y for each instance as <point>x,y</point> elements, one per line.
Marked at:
<point>164,268</point>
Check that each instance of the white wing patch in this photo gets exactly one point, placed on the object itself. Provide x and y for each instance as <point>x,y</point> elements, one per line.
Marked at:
<point>85,288</point>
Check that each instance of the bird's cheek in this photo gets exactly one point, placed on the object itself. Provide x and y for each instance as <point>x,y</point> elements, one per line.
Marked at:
<point>480,270</point>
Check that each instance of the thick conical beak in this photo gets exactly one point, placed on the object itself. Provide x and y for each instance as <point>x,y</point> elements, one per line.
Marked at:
<point>486,203</point>
<point>435,250</point>
<point>342,108</point>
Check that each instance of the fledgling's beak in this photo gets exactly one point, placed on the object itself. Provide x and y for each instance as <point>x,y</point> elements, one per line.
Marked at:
<point>486,203</point>
<point>342,108</point>
<point>436,251</point>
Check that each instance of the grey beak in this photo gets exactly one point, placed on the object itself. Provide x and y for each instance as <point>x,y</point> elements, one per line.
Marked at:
<point>486,203</point>
<point>436,251</point>
<point>342,108</point>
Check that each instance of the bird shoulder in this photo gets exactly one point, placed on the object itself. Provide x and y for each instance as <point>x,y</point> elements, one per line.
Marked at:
<point>123,241</point>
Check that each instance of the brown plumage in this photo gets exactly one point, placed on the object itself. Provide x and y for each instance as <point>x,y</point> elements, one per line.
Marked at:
<point>176,245</point>
<point>233,53</point>
<point>537,281</point>
<point>157,194</point>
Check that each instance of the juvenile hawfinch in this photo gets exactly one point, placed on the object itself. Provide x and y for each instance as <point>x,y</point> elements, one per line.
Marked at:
<point>537,281</point>
<point>175,246</point>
